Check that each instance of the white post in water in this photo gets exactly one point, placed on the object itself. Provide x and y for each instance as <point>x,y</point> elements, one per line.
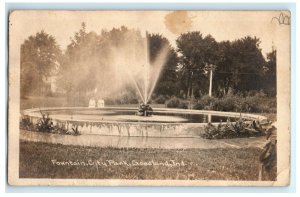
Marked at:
<point>210,81</point>
<point>209,118</point>
<point>210,68</point>
<point>210,89</point>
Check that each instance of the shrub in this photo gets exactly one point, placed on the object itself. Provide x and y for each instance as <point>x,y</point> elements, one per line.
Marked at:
<point>251,104</point>
<point>75,130</point>
<point>110,101</point>
<point>199,106</point>
<point>124,99</point>
<point>259,103</point>
<point>26,123</point>
<point>206,102</point>
<point>269,105</point>
<point>175,102</point>
<point>128,99</point>
<point>255,102</point>
<point>228,103</point>
<point>45,123</point>
<point>161,99</point>
<point>240,128</point>
<point>183,104</point>
<point>61,128</point>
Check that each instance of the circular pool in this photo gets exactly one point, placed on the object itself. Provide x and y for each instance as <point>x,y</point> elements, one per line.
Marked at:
<point>121,121</point>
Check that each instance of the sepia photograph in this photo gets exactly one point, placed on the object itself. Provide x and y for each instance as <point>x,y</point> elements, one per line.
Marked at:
<point>191,98</point>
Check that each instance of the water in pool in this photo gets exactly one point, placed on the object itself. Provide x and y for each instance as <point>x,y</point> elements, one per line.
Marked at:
<point>129,115</point>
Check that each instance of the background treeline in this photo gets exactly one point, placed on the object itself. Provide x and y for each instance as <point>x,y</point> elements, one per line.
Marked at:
<point>240,69</point>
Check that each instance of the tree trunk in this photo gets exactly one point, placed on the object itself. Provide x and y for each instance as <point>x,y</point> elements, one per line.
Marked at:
<point>191,85</point>
<point>188,86</point>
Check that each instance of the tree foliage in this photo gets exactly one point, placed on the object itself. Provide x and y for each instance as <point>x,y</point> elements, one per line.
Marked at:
<point>40,58</point>
<point>240,67</point>
<point>269,74</point>
<point>92,60</point>
<point>95,60</point>
<point>195,52</point>
<point>81,53</point>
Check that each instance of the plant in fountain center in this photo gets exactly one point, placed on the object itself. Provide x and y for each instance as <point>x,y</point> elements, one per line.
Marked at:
<point>145,110</point>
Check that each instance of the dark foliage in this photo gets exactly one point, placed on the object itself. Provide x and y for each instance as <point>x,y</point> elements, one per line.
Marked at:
<point>45,123</point>
<point>257,103</point>
<point>40,59</point>
<point>175,102</point>
<point>239,128</point>
<point>75,130</point>
<point>26,123</point>
<point>239,66</point>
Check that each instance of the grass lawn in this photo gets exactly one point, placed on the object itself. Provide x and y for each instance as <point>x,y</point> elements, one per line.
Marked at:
<point>41,160</point>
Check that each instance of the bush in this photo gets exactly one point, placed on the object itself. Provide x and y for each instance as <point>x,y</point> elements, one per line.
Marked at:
<point>45,123</point>
<point>161,99</point>
<point>26,123</point>
<point>238,129</point>
<point>61,128</point>
<point>259,103</point>
<point>110,101</point>
<point>75,130</point>
<point>253,103</point>
<point>206,103</point>
<point>228,103</point>
<point>175,102</point>
<point>122,100</point>
<point>269,105</point>
<point>199,106</point>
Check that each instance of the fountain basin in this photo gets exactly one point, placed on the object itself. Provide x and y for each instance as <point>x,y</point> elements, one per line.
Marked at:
<point>121,121</point>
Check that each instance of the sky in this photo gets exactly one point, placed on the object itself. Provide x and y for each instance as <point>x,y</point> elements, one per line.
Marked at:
<point>222,25</point>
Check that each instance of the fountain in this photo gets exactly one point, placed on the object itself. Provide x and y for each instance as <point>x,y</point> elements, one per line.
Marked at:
<point>127,121</point>
<point>142,72</point>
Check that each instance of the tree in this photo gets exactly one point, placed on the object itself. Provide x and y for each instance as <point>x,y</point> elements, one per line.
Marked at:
<point>222,79</point>
<point>95,64</point>
<point>167,82</point>
<point>269,74</point>
<point>195,53</point>
<point>78,71</point>
<point>240,66</point>
<point>40,59</point>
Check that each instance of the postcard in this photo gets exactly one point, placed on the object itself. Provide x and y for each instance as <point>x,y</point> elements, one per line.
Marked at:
<point>149,98</point>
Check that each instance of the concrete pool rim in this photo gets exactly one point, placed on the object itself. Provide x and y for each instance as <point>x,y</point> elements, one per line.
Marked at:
<point>248,116</point>
<point>137,129</point>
